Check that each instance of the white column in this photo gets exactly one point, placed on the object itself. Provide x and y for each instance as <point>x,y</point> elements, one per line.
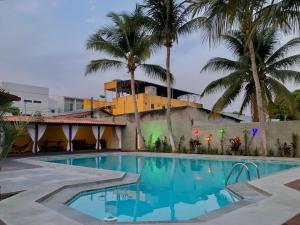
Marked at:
<point>74,132</point>
<point>31,132</point>
<point>41,131</point>
<point>119,134</point>
<point>66,133</point>
<point>95,132</point>
<point>101,134</point>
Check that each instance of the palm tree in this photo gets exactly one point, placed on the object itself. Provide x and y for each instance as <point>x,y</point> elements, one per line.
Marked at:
<point>273,69</point>
<point>8,132</point>
<point>248,15</point>
<point>167,20</point>
<point>127,42</point>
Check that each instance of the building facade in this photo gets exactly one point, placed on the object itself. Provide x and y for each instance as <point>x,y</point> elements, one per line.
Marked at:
<point>33,99</point>
<point>150,97</point>
<point>63,104</point>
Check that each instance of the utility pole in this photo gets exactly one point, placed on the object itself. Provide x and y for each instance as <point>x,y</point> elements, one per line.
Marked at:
<point>92,107</point>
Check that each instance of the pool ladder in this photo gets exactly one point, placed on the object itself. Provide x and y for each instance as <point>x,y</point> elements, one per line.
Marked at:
<point>242,167</point>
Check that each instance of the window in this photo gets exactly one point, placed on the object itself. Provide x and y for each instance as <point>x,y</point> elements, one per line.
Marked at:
<point>79,104</point>
<point>69,105</point>
<point>38,102</point>
<point>28,101</point>
<point>152,106</point>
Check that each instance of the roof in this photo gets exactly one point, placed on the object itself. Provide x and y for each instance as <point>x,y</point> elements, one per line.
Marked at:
<point>184,107</point>
<point>125,86</point>
<point>241,117</point>
<point>8,97</point>
<point>82,113</point>
<point>61,120</point>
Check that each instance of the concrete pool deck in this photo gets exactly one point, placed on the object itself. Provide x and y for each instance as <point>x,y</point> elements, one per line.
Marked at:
<point>41,183</point>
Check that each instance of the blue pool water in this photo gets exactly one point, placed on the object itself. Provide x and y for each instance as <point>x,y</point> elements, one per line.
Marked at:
<point>170,189</point>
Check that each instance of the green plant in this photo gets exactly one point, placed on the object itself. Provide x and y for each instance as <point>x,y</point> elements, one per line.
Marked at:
<point>158,145</point>
<point>271,153</point>
<point>255,153</point>
<point>201,150</point>
<point>247,142</point>
<point>149,146</point>
<point>295,141</point>
<point>195,144</point>
<point>9,132</point>
<point>235,145</point>
<point>181,140</point>
<point>284,150</point>
<point>213,151</point>
<point>165,145</point>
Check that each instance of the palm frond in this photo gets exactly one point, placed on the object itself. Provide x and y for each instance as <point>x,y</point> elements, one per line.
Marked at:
<point>227,98</point>
<point>222,64</point>
<point>285,63</point>
<point>102,65</point>
<point>97,43</point>
<point>283,50</point>
<point>155,71</point>
<point>282,92</point>
<point>223,82</point>
<point>285,75</point>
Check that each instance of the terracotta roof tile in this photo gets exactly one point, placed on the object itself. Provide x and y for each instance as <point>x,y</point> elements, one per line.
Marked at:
<point>62,120</point>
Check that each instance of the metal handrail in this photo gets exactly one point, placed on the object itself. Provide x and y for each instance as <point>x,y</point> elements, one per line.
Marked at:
<point>256,168</point>
<point>243,165</point>
<point>232,169</point>
<point>241,170</point>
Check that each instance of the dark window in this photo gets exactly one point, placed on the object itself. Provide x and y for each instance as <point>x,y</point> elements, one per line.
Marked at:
<point>28,101</point>
<point>152,106</point>
<point>39,102</point>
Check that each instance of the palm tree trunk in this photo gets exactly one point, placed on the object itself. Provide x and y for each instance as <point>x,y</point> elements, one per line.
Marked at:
<point>141,145</point>
<point>254,111</point>
<point>169,123</point>
<point>259,99</point>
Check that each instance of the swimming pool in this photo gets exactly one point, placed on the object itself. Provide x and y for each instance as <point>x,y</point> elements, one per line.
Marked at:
<point>169,189</point>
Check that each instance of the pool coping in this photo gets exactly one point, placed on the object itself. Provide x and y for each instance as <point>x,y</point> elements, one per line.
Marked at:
<point>251,193</point>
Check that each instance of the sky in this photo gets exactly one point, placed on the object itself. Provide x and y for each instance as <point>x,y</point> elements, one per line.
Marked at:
<point>42,42</point>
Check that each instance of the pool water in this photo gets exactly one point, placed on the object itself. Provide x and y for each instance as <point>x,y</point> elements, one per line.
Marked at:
<point>169,189</point>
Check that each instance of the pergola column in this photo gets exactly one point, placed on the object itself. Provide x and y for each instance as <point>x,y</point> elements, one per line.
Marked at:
<point>36,134</point>
<point>70,139</point>
<point>98,139</point>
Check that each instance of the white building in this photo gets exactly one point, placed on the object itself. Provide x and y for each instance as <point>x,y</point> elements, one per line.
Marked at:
<point>60,104</point>
<point>34,99</point>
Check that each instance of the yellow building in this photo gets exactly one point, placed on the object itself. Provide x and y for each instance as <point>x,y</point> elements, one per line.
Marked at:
<point>149,97</point>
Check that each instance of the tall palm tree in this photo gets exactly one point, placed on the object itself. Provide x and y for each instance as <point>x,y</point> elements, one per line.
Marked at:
<point>128,43</point>
<point>248,15</point>
<point>273,69</point>
<point>167,20</point>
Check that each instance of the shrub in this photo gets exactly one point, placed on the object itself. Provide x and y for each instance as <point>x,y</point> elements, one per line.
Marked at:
<point>158,145</point>
<point>165,145</point>
<point>295,138</point>
<point>235,145</point>
<point>271,153</point>
<point>195,144</point>
<point>201,150</point>
<point>255,153</point>
<point>181,140</point>
<point>284,150</point>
